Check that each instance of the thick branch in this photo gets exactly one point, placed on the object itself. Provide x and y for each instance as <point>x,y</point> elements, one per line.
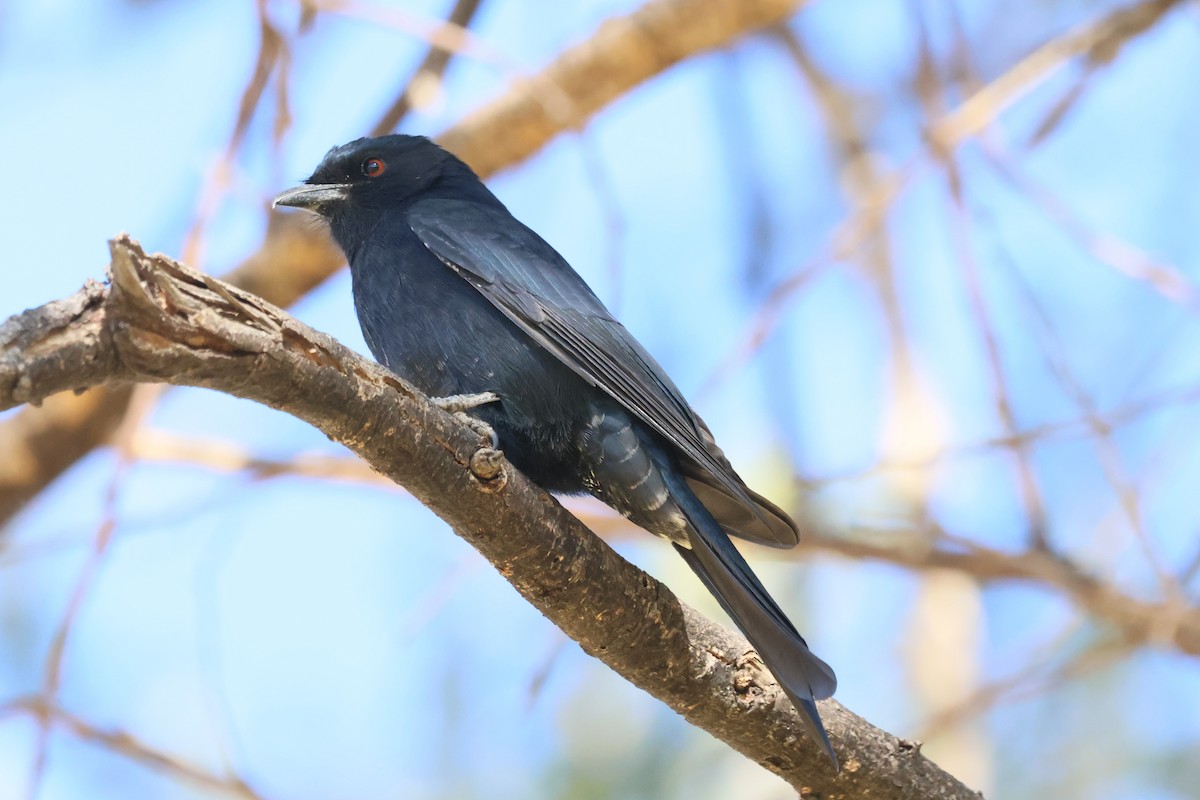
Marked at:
<point>160,321</point>
<point>39,444</point>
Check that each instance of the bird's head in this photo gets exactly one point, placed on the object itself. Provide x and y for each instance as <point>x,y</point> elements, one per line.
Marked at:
<point>377,174</point>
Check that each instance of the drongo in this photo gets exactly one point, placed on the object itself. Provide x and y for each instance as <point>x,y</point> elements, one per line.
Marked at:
<point>461,299</point>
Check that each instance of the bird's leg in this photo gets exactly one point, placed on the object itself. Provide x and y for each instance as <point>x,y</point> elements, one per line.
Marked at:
<point>459,404</point>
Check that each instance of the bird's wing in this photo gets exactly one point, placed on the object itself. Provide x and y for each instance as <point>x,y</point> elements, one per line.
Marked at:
<point>528,281</point>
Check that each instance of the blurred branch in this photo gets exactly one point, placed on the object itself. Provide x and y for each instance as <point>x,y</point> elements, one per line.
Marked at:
<point>621,54</point>
<point>162,322</point>
<point>272,51</point>
<point>128,745</point>
<point>450,37</point>
<point>1172,623</point>
<point>431,69</point>
<point>38,445</point>
<point>931,89</point>
<point>1166,279</point>
<point>855,231</point>
<point>1030,681</point>
<point>1099,41</point>
<point>1001,391</point>
<point>1081,426</point>
<point>225,456</point>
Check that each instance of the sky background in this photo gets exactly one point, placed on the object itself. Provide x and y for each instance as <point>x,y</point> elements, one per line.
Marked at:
<point>324,638</point>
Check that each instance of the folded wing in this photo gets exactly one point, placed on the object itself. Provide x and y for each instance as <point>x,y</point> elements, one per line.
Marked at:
<point>531,284</point>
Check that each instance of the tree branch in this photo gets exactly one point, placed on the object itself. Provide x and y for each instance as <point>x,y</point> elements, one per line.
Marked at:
<point>162,322</point>
<point>1169,623</point>
<point>432,67</point>
<point>1099,40</point>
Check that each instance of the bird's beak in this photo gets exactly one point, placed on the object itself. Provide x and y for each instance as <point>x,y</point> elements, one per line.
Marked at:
<point>313,196</point>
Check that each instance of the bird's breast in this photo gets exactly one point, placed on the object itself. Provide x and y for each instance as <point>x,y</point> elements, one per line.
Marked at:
<point>439,333</point>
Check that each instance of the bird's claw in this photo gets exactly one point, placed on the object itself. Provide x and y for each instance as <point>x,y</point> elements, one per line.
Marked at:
<point>480,427</point>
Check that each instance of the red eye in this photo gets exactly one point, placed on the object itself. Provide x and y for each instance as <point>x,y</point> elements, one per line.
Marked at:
<point>373,167</point>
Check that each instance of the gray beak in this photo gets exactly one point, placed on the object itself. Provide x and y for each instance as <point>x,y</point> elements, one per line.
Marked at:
<point>313,196</point>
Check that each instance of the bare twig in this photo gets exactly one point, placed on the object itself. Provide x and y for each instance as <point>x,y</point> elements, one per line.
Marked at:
<point>1100,41</point>
<point>128,745</point>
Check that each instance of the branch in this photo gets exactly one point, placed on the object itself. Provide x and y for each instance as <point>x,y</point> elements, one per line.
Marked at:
<point>1099,41</point>
<point>162,322</point>
<point>432,68</point>
<point>39,445</point>
<point>1170,623</point>
<point>131,747</point>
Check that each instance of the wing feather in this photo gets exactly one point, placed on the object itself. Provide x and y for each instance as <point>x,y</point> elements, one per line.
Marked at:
<point>531,284</point>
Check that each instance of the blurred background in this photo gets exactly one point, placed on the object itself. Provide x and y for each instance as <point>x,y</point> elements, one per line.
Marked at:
<point>929,270</point>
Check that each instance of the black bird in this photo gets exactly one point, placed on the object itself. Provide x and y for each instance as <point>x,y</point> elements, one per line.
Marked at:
<point>457,296</point>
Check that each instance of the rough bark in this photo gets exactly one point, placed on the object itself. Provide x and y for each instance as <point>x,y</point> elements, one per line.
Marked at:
<point>161,322</point>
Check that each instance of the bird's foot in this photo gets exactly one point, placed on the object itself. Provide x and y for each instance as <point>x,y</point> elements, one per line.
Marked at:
<point>458,404</point>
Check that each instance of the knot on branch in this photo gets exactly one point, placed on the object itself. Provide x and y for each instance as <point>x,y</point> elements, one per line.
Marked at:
<point>750,676</point>
<point>487,467</point>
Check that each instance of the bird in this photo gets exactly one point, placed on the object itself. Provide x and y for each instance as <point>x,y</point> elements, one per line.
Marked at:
<point>475,309</point>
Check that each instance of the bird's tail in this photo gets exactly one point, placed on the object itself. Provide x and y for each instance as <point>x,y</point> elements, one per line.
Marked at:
<point>802,676</point>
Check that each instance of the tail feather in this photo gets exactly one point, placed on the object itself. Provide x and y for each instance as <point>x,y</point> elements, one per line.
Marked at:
<point>802,676</point>
<point>637,476</point>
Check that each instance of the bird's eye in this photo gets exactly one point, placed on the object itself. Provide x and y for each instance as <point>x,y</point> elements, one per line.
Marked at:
<point>373,167</point>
